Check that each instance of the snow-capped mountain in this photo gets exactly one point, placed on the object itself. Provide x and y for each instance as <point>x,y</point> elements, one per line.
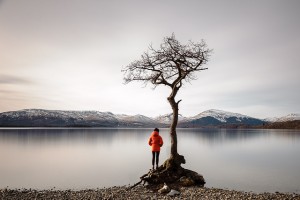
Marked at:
<point>289,117</point>
<point>136,120</point>
<point>60,118</point>
<point>215,117</point>
<point>222,116</point>
<point>52,118</point>
<point>167,119</point>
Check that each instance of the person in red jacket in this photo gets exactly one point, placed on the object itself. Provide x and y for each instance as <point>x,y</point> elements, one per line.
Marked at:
<point>155,141</point>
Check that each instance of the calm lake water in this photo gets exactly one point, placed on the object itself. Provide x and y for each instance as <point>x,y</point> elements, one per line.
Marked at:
<point>249,160</point>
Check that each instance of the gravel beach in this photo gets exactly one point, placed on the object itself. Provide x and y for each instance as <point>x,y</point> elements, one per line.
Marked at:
<point>139,192</point>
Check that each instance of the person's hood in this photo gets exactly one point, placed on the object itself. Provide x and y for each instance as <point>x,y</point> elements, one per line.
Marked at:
<point>155,133</point>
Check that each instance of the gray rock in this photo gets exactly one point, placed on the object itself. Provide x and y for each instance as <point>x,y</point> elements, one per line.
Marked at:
<point>173,193</point>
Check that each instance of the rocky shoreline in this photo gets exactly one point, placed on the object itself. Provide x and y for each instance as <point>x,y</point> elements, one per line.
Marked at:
<point>139,192</point>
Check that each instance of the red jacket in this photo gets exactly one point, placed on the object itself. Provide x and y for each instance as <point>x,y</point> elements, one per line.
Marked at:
<point>155,141</point>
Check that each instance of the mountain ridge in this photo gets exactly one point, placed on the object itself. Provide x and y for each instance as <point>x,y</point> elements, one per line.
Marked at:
<point>67,118</point>
<point>289,117</point>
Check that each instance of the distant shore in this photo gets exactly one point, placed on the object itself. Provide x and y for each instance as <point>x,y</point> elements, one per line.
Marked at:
<point>295,124</point>
<point>83,119</point>
<point>140,192</point>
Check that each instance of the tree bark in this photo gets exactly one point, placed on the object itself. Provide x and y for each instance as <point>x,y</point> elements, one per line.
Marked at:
<point>173,126</point>
<point>175,159</point>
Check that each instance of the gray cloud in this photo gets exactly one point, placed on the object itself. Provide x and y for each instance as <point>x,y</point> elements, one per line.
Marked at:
<point>75,50</point>
<point>9,79</point>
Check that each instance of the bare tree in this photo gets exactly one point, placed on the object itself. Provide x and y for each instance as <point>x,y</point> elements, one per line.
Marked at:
<point>171,65</point>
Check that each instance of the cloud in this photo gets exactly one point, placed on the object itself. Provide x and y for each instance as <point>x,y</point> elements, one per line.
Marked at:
<point>68,55</point>
<point>8,79</point>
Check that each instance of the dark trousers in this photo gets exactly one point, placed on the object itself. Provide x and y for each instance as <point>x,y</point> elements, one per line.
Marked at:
<point>155,155</point>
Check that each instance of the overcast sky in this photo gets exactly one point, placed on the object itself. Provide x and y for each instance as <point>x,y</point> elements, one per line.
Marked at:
<point>68,54</point>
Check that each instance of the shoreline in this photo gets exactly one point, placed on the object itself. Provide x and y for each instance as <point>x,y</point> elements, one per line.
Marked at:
<point>140,192</point>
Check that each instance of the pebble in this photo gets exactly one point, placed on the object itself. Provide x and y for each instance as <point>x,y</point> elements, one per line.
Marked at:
<point>139,192</point>
<point>173,193</point>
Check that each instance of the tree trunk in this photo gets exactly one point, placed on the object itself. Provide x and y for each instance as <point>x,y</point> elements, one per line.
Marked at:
<point>173,126</point>
<point>175,159</point>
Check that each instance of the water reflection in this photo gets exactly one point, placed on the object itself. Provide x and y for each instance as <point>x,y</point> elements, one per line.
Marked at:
<point>219,136</point>
<point>91,136</point>
<point>107,135</point>
<point>257,160</point>
<point>245,159</point>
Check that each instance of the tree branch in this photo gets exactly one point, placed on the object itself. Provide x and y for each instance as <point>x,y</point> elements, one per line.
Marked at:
<point>169,65</point>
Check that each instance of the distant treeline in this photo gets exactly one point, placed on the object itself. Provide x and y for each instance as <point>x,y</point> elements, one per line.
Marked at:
<point>282,125</point>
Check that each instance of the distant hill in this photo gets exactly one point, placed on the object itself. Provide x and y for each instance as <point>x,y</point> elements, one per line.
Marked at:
<point>167,118</point>
<point>290,121</point>
<point>219,118</point>
<point>289,117</point>
<point>137,121</point>
<point>57,118</point>
<point>209,118</point>
<point>295,124</point>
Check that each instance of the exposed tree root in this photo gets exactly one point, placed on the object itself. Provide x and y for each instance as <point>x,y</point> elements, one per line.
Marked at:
<point>172,173</point>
